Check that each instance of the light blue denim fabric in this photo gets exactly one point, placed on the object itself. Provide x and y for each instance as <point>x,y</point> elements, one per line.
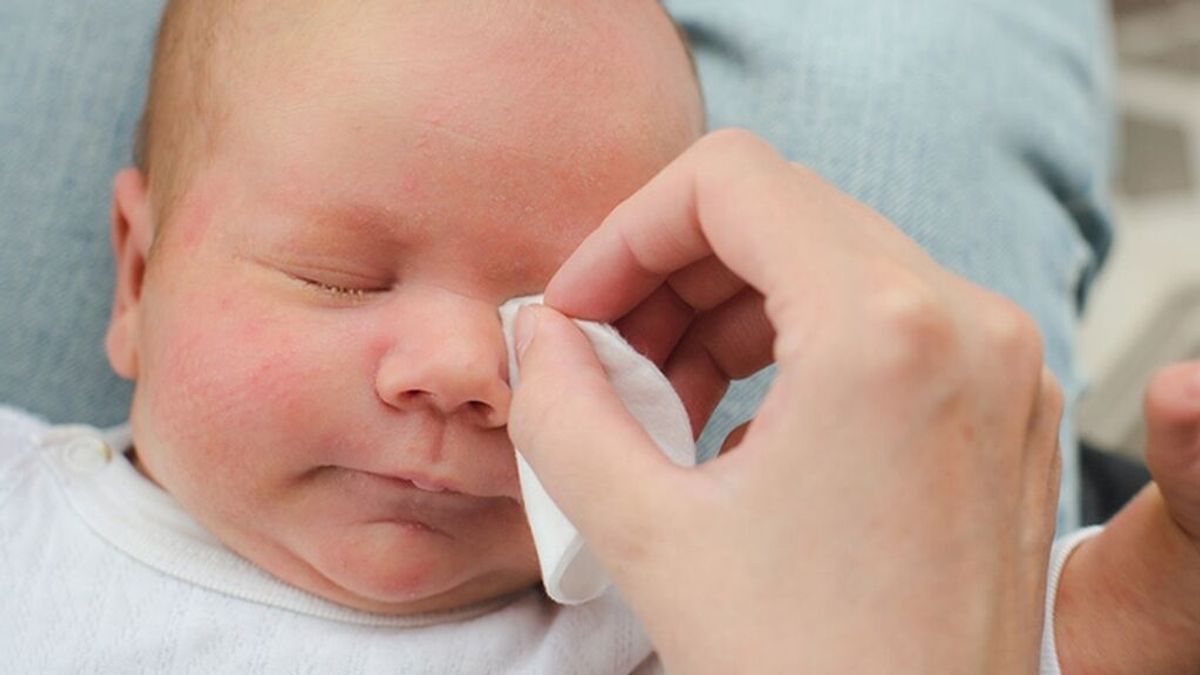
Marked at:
<point>979,126</point>
<point>72,80</point>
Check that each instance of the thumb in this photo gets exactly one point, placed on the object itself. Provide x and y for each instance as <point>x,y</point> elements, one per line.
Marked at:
<point>1172,409</point>
<point>594,459</point>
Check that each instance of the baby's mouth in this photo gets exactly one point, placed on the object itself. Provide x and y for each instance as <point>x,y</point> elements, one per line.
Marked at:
<point>428,487</point>
<point>423,484</point>
<point>408,491</point>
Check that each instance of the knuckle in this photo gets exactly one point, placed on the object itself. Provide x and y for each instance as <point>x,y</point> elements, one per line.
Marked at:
<point>920,335</point>
<point>737,161</point>
<point>1011,333</point>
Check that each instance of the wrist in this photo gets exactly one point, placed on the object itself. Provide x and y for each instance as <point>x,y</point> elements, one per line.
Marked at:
<point>1129,600</point>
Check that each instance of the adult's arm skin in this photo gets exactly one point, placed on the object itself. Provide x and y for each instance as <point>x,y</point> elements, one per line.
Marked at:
<point>891,507</point>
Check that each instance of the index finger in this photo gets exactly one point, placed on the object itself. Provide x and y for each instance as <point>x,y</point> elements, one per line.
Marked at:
<point>728,195</point>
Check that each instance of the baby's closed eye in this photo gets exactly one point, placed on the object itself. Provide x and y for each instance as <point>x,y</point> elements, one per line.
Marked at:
<point>342,281</point>
<point>342,290</point>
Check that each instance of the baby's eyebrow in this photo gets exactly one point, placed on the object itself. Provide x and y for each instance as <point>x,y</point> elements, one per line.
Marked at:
<point>357,213</point>
<point>355,219</point>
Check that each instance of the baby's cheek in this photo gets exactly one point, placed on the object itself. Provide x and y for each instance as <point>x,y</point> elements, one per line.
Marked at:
<point>233,377</point>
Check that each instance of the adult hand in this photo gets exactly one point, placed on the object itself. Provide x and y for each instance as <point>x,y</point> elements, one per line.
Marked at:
<point>891,507</point>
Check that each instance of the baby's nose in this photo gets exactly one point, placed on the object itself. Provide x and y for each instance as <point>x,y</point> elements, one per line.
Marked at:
<point>455,366</point>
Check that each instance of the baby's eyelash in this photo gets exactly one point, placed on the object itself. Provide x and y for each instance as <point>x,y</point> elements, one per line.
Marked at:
<point>341,292</point>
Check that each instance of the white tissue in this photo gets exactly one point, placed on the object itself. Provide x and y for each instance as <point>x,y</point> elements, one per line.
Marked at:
<point>570,571</point>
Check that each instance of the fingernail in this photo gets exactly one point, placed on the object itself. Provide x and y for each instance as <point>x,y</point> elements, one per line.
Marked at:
<point>525,328</point>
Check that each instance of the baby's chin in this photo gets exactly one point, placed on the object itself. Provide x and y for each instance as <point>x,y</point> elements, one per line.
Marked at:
<point>400,568</point>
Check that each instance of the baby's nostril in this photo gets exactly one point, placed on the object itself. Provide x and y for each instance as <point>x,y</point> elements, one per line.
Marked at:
<point>413,396</point>
<point>413,399</point>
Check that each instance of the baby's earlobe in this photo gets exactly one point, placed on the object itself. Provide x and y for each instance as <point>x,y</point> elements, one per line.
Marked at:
<point>120,346</point>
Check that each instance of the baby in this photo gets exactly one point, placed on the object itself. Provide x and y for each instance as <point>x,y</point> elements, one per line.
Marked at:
<point>333,200</point>
<point>330,202</point>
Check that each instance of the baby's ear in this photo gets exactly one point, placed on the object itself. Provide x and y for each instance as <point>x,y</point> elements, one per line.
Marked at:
<point>132,235</point>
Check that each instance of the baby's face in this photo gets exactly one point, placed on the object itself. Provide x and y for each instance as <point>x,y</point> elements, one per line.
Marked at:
<point>321,374</point>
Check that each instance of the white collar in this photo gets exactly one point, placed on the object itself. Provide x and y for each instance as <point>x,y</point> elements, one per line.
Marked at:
<point>136,516</point>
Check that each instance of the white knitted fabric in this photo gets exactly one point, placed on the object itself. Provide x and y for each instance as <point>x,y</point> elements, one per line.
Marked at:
<point>1063,548</point>
<point>570,571</point>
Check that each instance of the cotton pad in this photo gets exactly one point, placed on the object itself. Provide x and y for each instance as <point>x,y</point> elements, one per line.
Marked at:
<point>570,571</point>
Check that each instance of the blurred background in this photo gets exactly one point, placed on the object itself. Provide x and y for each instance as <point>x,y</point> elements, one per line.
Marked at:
<point>1145,309</point>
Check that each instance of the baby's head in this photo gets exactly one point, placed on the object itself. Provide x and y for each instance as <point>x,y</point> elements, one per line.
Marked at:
<point>332,200</point>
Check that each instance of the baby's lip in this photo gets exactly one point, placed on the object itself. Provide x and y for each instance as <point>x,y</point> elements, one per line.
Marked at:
<point>421,482</point>
<point>373,496</point>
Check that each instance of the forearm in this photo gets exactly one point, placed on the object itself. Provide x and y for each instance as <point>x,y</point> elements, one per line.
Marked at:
<point>1129,600</point>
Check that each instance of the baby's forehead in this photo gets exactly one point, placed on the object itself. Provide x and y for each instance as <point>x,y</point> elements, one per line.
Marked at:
<point>273,34</point>
<point>521,71</point>
<point>554,44</point>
